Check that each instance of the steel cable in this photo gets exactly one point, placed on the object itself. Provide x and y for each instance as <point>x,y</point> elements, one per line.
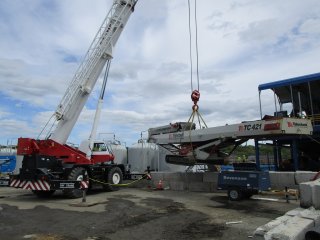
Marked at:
<point>196,43</point>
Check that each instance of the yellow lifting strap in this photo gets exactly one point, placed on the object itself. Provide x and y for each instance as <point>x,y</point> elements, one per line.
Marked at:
<point>195,96</point>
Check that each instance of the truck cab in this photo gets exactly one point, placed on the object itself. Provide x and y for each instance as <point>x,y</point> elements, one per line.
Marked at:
<point>99,153</point>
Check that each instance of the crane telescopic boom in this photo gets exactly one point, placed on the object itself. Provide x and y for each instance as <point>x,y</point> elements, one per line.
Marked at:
<point>85,78</point>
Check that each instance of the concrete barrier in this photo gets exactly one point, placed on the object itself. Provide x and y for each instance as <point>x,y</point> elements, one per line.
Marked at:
<point>303,176</point>
<point>202,187</point>
<point>262,230</point>
<point>178,186</point>
<point>280,180</point>
<point>306,190</point>
<point>292,226</point>
<point>156,176</point>
<point>293,229</point>
<point>310,194</point>
<point>183,181</point>
<point>316,195</point>
<point>210,177</point>
<point>311,213</point>
<point>178,176</point>
<point>194,177</point>
<point>208,181</point>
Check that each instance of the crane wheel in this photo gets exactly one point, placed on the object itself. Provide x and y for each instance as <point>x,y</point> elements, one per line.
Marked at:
<point>114,176</point>
<point>75,174</point>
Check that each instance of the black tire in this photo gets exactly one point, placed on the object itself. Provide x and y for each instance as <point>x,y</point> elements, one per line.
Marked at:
<point>115,176</point>
<point>43,194</point>
<point>75,174</point>
<point>235,194</point>
<point>312,235</point>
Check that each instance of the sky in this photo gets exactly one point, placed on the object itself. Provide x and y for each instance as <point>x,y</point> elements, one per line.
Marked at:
<point>241,44</point>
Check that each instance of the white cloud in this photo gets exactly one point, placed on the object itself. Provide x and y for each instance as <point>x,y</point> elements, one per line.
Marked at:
<point>311,26</point>
<point>4,114</point>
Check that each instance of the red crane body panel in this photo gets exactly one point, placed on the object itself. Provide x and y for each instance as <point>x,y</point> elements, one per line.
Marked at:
<point>48,147</point>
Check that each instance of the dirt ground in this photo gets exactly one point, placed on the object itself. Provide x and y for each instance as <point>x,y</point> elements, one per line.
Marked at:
<point>133,214</point>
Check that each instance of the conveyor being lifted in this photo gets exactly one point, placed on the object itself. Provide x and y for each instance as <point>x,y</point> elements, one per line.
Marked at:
<point>189,146</point>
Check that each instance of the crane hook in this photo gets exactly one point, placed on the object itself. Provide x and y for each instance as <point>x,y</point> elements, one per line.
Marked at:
<point>195,96</point>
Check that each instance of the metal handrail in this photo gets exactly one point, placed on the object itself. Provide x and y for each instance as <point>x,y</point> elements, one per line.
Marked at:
<point>315,118</point>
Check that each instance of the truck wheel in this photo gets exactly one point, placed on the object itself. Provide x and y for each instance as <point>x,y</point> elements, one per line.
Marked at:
<point>76,174</point>
<point>115,176</point>
<point>234,194</point>
<point>43,194</point>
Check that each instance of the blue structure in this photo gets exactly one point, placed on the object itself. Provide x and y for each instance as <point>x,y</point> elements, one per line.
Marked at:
<point>263,167</point>
<point>7,163</point>
<point>243,184</point>
<point>303,94</point>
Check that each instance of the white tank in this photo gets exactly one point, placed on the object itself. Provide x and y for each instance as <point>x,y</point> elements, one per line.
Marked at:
<point>120,152</point>
<point>143,155</point>
<point>18,164</point>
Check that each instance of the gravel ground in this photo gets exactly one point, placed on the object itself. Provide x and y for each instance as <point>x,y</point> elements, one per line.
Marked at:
<point>133,214</point>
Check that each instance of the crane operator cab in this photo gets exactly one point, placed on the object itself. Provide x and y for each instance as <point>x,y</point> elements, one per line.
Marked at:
<point>100,152</point>
<point>99,147</point>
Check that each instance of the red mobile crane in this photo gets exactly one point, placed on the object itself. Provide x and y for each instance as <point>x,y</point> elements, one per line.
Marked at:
<point>51,164</point>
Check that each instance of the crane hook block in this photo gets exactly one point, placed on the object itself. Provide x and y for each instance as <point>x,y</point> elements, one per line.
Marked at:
<point>195,96</point>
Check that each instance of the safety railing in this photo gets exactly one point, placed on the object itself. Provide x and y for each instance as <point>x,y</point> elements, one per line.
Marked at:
<point>315,119</point>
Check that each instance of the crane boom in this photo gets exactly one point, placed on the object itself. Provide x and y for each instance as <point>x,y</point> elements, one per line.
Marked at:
<point>85,78</point>
<point>188,146</point>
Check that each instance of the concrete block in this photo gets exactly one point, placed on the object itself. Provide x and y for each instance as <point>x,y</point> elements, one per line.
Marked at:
<point>156,176</point>
<point>304,176</point>
<point>294,212</point>
<point>262,230</point>
<point>316,195</point>
<point>293,229</point>
<point>177,186</point>
<point>291,226</point>
<point>280,180</point>
<point>194,177</point>
<point>312,214</point>
<point>306,194</point>
<point>178,176</point>
<point>200,187</point>
<point>210,177</point>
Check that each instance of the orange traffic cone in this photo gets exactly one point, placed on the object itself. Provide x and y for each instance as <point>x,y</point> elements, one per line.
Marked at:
<point>159,185</point>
